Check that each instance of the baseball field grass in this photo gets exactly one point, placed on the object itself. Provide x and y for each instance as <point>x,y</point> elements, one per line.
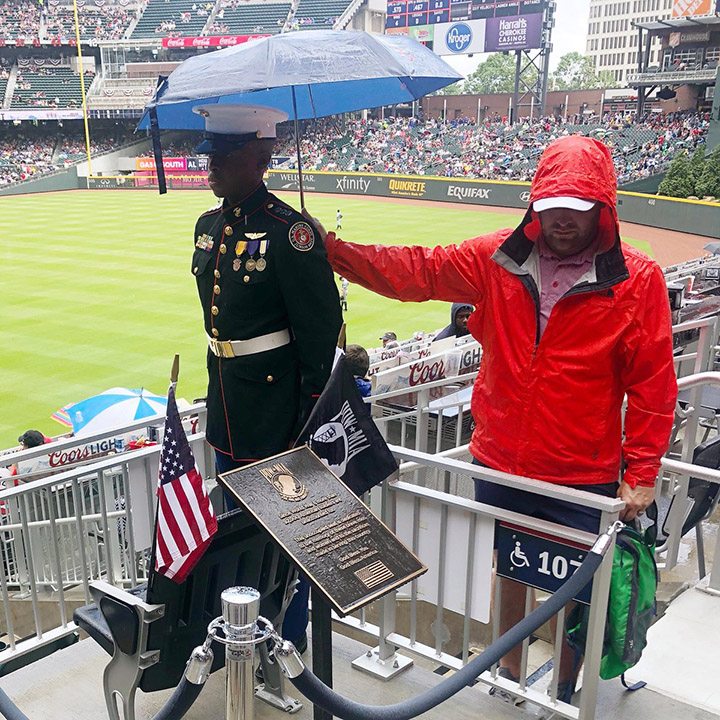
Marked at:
<point>97,291</point>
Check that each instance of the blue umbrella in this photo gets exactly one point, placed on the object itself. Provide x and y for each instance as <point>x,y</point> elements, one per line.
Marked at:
<point>306,74</point>
<point>113,408</point>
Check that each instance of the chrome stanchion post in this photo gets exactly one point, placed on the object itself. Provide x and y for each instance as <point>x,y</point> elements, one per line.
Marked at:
<point>240,608</point>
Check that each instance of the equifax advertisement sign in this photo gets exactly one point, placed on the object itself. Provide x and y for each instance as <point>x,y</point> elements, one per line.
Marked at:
<point>209,41</point>
<point>513,33</point>
<point>693,8</point>
<point>147,163</point>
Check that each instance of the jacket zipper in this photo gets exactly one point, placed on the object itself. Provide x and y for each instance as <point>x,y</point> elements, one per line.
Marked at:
<point>529,283</point>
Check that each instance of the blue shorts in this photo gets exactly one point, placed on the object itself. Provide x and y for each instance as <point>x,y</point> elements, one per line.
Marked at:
<point>544,508</point>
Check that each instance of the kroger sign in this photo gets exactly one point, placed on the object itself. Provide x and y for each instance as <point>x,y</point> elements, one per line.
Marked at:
<point>459,37</point>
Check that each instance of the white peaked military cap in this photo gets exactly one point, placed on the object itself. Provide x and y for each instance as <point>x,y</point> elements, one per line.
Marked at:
<point>229,126</point>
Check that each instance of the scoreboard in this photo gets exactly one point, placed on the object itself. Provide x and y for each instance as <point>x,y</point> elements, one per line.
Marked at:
<point>413,13</point>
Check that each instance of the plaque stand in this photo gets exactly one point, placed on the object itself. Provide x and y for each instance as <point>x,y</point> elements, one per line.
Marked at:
<point>382,661</point>
<point>321,646</point>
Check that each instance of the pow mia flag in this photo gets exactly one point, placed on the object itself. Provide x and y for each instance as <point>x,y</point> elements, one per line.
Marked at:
<point>342,434</point>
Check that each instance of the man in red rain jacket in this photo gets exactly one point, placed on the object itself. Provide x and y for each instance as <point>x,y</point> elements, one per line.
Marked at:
<point>571,321</point>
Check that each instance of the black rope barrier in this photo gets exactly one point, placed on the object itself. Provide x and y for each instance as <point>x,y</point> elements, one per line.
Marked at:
<point>326,698</point>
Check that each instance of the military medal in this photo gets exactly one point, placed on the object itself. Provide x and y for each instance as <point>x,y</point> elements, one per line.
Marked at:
<point>237,264</point>
<point>204,242</point>
<point>261,263</point>
<point>240,247</point>
<point>250,265</point>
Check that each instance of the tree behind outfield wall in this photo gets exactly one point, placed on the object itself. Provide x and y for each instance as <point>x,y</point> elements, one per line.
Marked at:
<point>577,72</point>
<point>678,179</point>
<point>494,75</point>
<point>709,182</point>
<point>697,165</point>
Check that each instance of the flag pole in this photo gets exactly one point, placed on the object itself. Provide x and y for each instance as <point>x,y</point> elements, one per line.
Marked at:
<point>175,370</point>
<point>174,373</point>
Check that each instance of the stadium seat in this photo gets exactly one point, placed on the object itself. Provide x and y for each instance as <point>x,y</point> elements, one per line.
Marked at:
<point>151,630</point>
<point>256,18</point>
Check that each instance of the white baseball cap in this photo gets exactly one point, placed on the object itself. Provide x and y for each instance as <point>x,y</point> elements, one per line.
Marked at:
<point>571,203</point>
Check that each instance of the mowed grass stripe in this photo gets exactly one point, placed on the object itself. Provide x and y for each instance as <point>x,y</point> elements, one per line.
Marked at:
<point>97,290</point>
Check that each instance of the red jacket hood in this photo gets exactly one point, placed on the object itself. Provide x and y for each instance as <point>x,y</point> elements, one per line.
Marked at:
<point>577,166</point>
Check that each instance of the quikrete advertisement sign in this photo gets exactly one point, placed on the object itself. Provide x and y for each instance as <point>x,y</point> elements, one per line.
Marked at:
<point>406,188</point>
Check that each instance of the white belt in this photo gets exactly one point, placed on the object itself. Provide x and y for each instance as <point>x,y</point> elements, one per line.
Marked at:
<point>236,348</point>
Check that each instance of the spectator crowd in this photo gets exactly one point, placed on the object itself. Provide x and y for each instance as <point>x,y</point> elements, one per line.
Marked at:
<point>28,150</point>
<point>491,150</point>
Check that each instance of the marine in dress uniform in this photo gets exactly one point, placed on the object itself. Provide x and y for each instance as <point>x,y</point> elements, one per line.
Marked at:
<point>269,300</point>
<point>270,305</point>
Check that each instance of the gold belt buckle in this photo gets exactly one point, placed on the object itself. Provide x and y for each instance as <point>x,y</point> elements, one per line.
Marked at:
<point>222,348</point>
<point>226,349</point>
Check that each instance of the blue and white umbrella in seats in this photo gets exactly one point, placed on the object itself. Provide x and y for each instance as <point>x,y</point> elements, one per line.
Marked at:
<point>112,409</point>
<point>307,74</point>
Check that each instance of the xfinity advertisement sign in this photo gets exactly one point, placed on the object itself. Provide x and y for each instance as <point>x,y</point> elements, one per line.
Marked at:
<point>513,33</point>
<point>460,38</point>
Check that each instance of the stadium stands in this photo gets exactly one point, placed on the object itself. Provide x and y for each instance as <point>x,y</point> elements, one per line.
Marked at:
<point>242,18</point>
<point>318,14</point>
<point>19,19</point>
<point>28,151</point>
<point>107,22</point>
<point>492,150</point>
<point>4,77</point>
<point>173,18</point>
<point>57,87</point>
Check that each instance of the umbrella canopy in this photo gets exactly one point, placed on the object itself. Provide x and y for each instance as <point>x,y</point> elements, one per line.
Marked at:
<point>306,74</point>
<point>112,408</point>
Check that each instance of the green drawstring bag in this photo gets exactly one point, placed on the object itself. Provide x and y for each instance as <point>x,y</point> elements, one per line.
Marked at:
<point>631,606</point>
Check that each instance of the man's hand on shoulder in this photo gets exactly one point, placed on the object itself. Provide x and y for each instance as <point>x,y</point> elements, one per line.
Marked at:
<point>318,225</point>
<point>636,500</point>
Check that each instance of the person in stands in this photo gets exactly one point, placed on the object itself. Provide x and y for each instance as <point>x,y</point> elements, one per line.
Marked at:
<point>572,321</point>
<point>458,327</point>
<point>358,363</point>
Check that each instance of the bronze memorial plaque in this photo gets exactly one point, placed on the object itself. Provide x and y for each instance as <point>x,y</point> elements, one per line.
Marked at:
<point>343,549</point>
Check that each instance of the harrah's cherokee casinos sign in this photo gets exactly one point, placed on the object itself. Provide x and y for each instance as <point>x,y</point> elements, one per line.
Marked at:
<point>209,41</point>
<point>513,33</point>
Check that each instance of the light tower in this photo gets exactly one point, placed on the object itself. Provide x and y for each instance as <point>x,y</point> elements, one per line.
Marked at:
<point>532,69</point>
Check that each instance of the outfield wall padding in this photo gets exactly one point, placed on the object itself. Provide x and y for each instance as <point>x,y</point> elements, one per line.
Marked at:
<point>690,216</point>
<point>67,180</point>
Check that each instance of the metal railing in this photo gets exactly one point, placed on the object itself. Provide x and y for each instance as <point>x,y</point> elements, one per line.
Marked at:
<point>60,532</point>
<point>95,522</point>
<point>415,503</point>
<point>672,77</point>
<point>698,355</point>
<point>679,468</point>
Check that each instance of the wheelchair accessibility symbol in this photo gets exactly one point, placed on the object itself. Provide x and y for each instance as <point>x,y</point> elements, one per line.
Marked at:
<point>537,559</point>
<point>518,558</point>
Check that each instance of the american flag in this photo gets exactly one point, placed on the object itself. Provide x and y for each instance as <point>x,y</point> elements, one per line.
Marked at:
<point>185,518</point>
